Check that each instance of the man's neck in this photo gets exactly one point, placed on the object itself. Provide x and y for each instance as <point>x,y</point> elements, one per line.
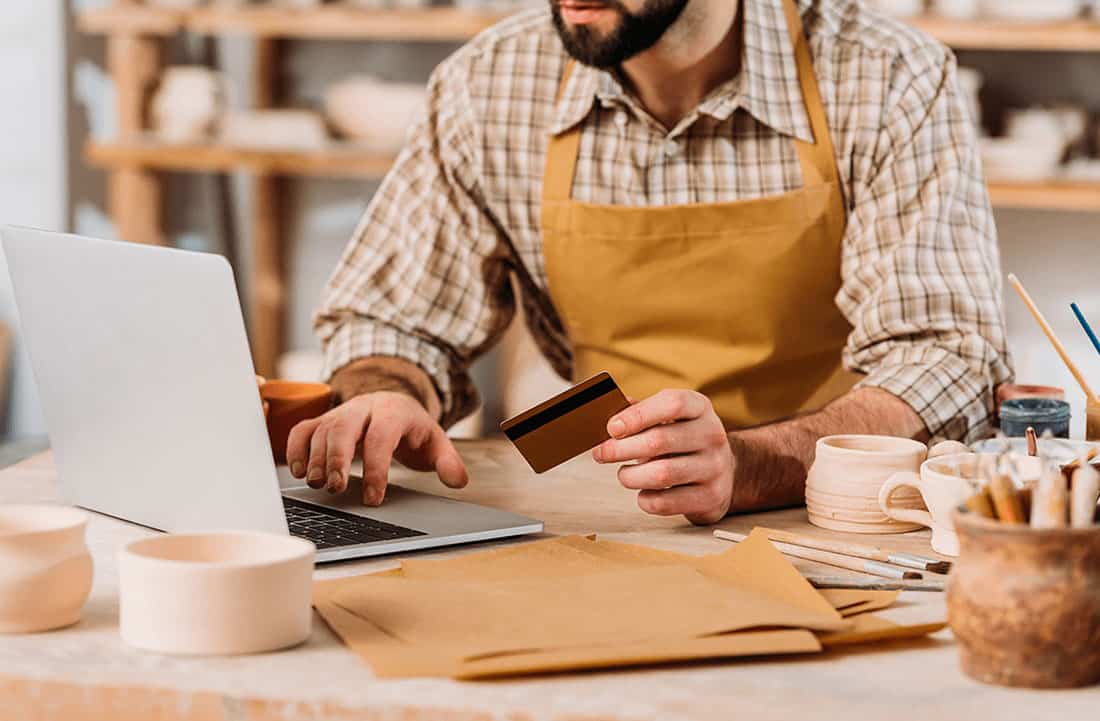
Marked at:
<point>698,53</point>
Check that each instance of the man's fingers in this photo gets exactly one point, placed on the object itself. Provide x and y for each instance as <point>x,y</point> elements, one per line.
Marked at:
<point>697,501</point>
<point>315,467</point>
<point>383,435</point>
<point>661,440</point>
<point>444,457</point>
<point>341,442</point>
<point>664,407</point>
<point>664,473</point>
<point>297,446</point>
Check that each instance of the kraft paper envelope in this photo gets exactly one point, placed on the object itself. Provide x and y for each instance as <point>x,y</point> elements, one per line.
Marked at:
<point>478,619</point>
<point>854,601</point>
<point>867,629</point>
<point>504,612</point>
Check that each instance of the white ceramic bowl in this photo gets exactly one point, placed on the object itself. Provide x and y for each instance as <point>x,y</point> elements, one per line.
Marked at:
<point>899,8</point>
<point>215,593</point>
<point>1032,10</point>
<point>374,113</point>
<point>1026,160</point>
<point>45,567</point>
<point>956,9</point>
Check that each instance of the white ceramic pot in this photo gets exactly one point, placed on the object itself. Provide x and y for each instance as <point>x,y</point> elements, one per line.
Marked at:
<point>45,567</point>
<point>847,474</point>
<point>188,103</point>
<point>215,593</point>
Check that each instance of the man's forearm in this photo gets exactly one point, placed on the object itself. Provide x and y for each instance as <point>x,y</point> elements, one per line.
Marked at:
<point>384,373</point>
<point>773,460</point>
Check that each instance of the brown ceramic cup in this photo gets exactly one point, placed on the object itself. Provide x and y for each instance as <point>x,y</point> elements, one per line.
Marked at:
<point>1024,603</point>
<point>288,404</point>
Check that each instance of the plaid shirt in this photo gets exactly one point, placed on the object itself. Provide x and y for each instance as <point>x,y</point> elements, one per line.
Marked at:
<point>426,276</point>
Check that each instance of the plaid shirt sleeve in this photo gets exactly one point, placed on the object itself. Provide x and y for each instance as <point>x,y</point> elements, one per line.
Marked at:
<point>921,268</point>
<point>425,276</point>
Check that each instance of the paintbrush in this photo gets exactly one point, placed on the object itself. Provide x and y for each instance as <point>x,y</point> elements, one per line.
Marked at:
<point>1086,489</point>
<point>1032,442</point>
<point>1077,461</point>
<point>1058,347</point>
<point>1085,325</point>
<point>874,568</point>
<point>869,553</point>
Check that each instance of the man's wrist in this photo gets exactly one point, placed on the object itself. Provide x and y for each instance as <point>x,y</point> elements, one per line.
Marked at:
<point>377,374</point>
<point>765,473</point>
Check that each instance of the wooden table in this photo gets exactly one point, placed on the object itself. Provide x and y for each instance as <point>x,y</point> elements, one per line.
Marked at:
<point>86,672</point>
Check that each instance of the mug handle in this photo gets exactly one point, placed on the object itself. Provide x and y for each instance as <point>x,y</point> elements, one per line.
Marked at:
<point>907,515</point>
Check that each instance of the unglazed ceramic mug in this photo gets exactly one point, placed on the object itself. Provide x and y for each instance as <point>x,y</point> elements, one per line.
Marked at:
<point>45,567</point>
<point>842,487</point>
<point>288,404</point>
<point>215,593</point>
<point>944,483</point>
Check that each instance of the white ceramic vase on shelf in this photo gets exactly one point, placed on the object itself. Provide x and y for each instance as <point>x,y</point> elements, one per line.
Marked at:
<point>45,567</point>
<point>188,104</point>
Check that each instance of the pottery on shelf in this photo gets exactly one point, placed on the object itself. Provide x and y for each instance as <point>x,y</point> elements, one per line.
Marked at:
<point>848,472</point>
<point>373,113</point>
<point>274,130</point>
<point>45,567</point>
<point>216,593</point>
<point>188,103</point>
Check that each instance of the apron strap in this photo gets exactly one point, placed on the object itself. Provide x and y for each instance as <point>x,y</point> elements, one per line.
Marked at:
<point>818,160</point>
<point>561,155</point>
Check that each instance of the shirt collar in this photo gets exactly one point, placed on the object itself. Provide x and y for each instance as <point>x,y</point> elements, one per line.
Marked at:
<point>768,86</point>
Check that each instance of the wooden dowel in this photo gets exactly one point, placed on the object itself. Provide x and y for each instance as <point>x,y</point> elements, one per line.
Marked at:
<point>874,568</point>
<point>1005,501</point>
<point>870,553</point>
<point>1061,350</point>
<point>1086,490</point>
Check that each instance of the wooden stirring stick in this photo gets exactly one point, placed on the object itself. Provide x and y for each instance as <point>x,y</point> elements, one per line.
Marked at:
<point>870,553</point>
<point>1032,442</point>
<point>1015,282</point>
<point>874,568</point>
<point>1086,489</point>
<point>1005,501</point>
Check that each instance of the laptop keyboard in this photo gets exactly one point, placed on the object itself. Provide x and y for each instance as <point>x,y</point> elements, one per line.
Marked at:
<point>329,528</point>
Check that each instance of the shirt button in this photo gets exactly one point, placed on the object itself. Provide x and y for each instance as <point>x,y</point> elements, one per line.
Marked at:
<point>621,119</point>
<point>672,148</point>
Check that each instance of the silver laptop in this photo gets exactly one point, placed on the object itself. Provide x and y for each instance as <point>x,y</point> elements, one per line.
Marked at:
<point>147,385</point>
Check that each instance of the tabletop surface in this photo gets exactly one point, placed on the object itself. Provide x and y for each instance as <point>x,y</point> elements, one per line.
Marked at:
<point>86,672</point>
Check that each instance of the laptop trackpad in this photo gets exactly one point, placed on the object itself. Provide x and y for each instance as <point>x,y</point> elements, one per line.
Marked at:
<point>411,509</point>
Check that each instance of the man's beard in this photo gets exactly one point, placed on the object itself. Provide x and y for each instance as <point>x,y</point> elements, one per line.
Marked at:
<point>634,33</point>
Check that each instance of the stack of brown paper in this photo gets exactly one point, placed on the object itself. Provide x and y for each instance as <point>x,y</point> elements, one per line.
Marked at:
<point>581,603</point>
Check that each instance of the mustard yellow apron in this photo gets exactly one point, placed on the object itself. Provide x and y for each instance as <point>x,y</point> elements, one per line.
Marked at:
<point>734,300</point>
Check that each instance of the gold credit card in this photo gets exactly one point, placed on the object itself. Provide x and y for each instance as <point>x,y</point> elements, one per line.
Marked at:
<point>570,423</point>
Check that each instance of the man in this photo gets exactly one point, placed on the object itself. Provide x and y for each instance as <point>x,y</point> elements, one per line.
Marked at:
<point>745,211</point>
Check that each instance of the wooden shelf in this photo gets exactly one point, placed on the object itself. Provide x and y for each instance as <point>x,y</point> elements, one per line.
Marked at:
<point>1075,35</point>
<point>348,161</point>
<point>345,161</point>
<point>1052,195</point>
<point>444,24</point>
<point>454,24</point>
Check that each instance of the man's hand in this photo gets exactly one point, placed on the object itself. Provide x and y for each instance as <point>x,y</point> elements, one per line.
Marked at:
<point>684,464</point>
<point>380,426</point>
